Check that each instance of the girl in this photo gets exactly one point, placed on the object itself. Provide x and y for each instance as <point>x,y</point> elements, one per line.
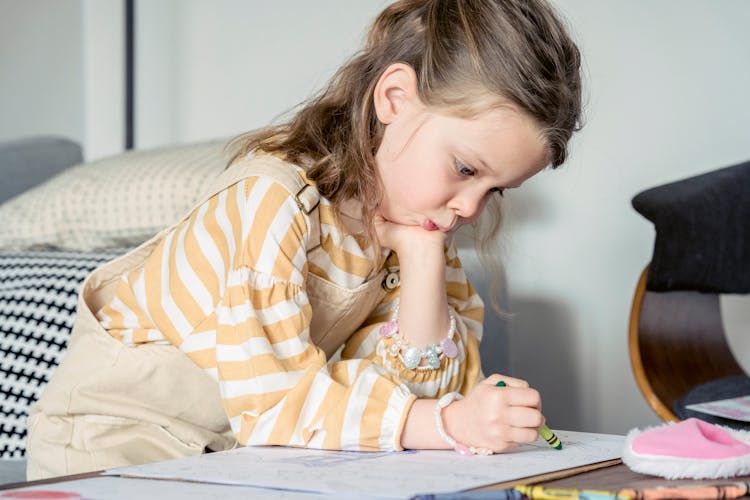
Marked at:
<point>313,297</point>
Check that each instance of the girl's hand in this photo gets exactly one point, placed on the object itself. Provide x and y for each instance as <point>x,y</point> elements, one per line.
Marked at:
<point>498,418</point>
<point>403,238</point>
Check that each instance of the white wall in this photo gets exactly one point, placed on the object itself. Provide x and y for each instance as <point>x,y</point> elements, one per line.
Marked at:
<point>62,70</point>
<point>40,68</point>
<point>209,69</point>
<point>667,98</point>
<point>103,77</point>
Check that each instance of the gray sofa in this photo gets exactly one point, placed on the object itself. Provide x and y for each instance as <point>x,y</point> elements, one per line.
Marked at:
<point>24,163</point>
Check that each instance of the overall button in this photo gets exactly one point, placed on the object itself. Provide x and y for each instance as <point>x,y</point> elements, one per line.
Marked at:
<point>391,281</point>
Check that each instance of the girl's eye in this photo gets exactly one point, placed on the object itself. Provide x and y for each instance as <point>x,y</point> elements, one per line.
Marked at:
<point>500,191</point>
<point>463,169</point>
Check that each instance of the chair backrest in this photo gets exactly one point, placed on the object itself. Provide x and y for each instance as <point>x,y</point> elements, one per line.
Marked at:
<point>677,342</point>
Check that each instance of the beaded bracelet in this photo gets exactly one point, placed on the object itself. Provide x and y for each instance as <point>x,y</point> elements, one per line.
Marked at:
<point>412,356</point>
<point>459,447</point>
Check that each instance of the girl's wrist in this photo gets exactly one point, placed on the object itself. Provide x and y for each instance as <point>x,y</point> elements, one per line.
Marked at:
<point>413,240</point>
<point>405,238</point>
<point>419,254</point>
<point>452,420</point>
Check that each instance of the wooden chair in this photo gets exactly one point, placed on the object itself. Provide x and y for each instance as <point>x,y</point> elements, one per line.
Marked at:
<point>677,342</point>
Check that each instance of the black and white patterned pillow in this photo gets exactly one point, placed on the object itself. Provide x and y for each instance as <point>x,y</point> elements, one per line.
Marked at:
<point>38,296</point>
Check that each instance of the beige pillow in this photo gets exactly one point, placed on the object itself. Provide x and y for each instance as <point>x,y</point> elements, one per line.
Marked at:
<point>113,202</point>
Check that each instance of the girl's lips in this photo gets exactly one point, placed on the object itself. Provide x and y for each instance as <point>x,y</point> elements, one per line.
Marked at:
<point>428,225</point>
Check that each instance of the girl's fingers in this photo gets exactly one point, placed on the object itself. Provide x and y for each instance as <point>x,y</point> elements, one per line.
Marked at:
<point>512,396</point>
<point>523,397</point>
<point>523,417</point>
<point>510,437</point>
<point>522,435</point>
<point>522,430</point>
<point>508,381</point>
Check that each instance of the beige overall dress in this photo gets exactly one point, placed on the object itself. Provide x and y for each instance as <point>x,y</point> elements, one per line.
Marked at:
<point>110,404</point>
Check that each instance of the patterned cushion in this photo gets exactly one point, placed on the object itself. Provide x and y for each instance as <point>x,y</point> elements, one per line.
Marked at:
<point>38,295</point>
<point>112,202</point>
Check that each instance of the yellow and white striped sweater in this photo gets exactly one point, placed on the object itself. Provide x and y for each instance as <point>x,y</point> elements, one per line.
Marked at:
<point>227,287</point>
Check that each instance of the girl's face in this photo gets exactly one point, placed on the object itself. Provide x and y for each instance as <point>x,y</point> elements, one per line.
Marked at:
<point>439,171</point>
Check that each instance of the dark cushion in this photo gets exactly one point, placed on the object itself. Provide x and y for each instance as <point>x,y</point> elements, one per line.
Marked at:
<point>724,388</point>
<point>702,232</point>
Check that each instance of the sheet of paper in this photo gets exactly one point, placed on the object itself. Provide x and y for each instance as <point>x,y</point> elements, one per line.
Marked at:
<point>734,408</point>
<point>121,488</point>
<point>391,475</point>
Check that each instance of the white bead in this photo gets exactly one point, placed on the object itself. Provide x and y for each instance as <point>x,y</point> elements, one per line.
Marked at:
<point>412,357</point>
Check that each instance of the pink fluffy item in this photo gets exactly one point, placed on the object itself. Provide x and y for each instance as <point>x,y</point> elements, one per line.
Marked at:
<point>688,449</point>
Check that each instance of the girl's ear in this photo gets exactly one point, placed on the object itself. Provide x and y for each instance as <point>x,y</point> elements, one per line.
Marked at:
<point>396,93</point>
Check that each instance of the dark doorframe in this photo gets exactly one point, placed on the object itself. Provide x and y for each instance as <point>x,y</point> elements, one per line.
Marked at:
<point>129,74</point>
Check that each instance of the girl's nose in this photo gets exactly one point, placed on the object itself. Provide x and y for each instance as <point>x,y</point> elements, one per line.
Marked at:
<point>468,204</point>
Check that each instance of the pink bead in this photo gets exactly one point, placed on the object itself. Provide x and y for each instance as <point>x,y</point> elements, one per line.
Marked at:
<point>462,449</point>
<point>449,347</point>
<point>388,329</point>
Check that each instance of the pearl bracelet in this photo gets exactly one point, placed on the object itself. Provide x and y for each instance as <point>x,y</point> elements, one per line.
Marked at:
<point>412,356</point>
<point>459,447</point>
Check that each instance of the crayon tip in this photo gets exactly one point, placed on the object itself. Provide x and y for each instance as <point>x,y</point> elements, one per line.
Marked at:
<point>550,437</point>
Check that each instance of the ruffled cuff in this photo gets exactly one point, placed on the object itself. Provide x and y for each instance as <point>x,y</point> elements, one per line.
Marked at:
<point>394,419</point>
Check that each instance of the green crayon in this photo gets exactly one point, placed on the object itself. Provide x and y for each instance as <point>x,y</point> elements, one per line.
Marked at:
<point>545,431</point>
<point>550,437</point>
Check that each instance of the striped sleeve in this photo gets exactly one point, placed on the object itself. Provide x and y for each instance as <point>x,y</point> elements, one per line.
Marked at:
<point>458,374</point>
<point>228,288</point>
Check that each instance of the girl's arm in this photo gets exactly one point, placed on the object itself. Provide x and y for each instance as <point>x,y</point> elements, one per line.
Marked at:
<point>423,317</point>
<point>489,417</point>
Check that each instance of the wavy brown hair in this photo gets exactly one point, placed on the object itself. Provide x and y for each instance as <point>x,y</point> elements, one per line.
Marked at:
<point>469,56</point>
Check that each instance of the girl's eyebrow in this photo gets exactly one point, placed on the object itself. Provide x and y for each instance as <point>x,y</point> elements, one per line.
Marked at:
<point>476,159</point>
<point>479,162</point>
<point>483,164</point>
<point>484,167</point>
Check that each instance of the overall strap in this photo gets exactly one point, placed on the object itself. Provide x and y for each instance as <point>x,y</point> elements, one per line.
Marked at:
<point>269,166</point>
<point>286,174</point>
